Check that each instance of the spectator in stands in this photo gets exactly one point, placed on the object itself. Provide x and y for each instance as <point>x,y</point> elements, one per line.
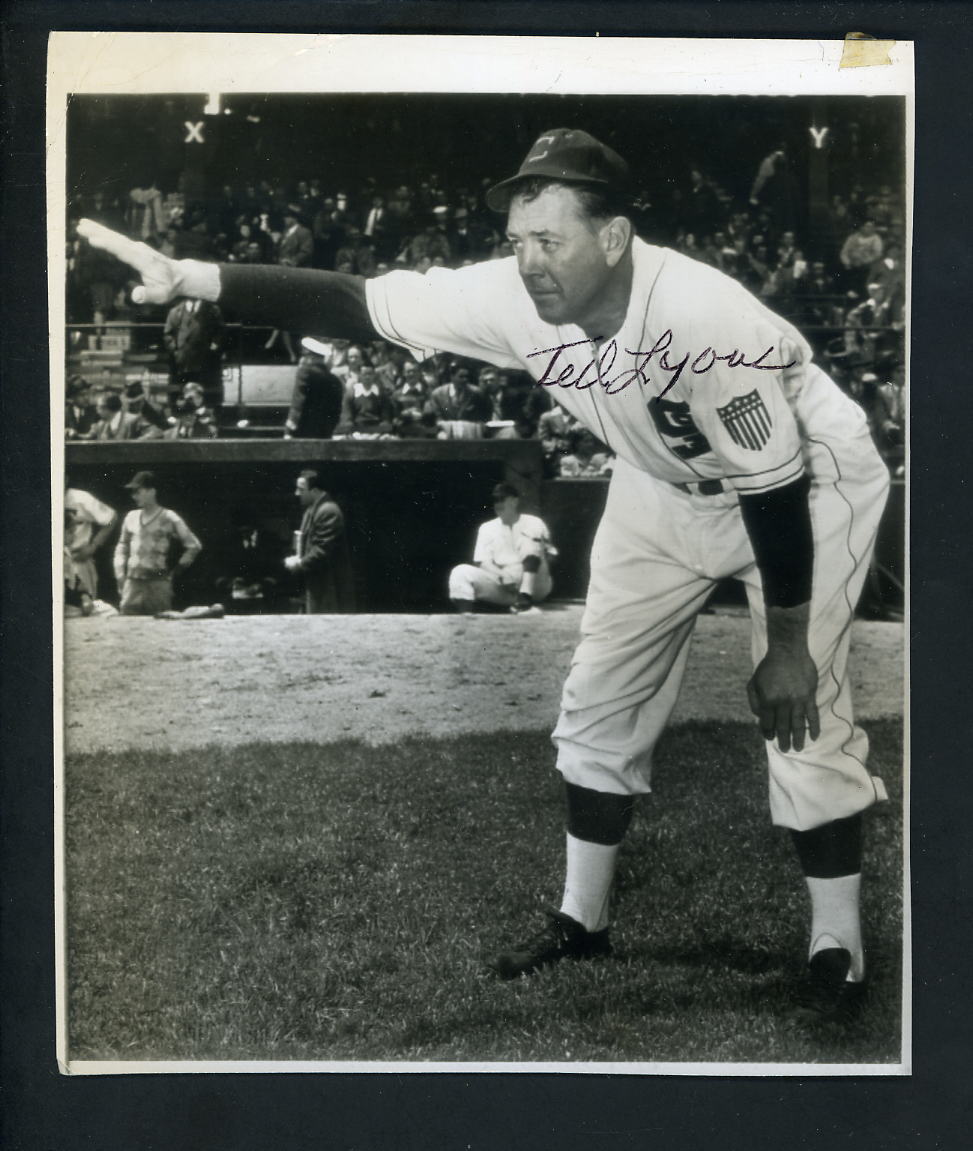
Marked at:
<point>383,361</point>
<point>775,188</point>
<point>554,430</point>
<point>322,555</point>
<point>886,285</point>
<point>194,420</point>
<point>153,422</point>
<point>88,526</point>
<point>409,400</point>
<point>114,423</point>
<point>366,409</point>
<point>511,560</point>
<point>80,415</point>
<point>296,250</point>
<point>459,408</point>
<point>375,228</point>
<point>350,368</point>
<point>813,291</point>
<point>150,535</point>
<point>316,401</point>
<point>860,250</point>
<point>193,337</point>
<point>586,456</point>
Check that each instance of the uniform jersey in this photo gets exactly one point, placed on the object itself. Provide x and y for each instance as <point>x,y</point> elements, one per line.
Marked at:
<point>145,546</point>
<point>500,546</point>
<point>702,381</point>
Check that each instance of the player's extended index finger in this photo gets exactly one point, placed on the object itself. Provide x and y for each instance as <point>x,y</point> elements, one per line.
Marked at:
<point>121,247</point>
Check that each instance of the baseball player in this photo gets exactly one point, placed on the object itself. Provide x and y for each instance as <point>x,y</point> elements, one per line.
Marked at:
<point>510,565</point>
<point>736,456</point>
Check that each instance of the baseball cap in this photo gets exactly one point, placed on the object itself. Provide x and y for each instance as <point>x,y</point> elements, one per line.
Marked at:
<point>503,491</point>
<point>143,480</point>
<point>565,154</point>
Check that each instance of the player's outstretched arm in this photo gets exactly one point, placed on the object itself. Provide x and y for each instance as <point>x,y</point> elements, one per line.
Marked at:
<point>305,300</point>
<point>163,279</point>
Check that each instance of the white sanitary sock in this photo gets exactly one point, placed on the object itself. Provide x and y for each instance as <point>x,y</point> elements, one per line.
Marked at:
<point>588,879</point>
<point>835,918</point>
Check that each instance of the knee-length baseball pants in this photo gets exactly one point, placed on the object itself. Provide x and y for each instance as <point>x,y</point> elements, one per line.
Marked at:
<point>655,558</point>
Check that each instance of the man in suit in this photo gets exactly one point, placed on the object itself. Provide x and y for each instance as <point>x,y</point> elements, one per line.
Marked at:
<point>80,415</point>
<point>317,397</point>
<point>193,337</point>
<point>322,549</point>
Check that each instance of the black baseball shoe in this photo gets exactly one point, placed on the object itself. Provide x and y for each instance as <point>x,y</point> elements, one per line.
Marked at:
<point>561,938</point>
<point>827,996</point>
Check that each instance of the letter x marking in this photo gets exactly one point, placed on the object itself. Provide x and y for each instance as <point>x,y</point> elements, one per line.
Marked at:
<point>194,132</point>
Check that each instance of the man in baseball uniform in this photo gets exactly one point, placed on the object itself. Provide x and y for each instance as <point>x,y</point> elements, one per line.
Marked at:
<point>736,456</point>
<point>510,565</point>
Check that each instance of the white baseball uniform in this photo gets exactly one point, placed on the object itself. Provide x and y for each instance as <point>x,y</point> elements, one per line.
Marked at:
<point>703,393</point>
<point>498,562</point>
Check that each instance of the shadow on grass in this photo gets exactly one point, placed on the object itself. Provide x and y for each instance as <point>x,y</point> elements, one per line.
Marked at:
<point>336,902</point>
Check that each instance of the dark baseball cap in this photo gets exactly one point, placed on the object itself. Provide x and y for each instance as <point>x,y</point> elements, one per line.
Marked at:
<point>565,154</point>
<point>143,480</point>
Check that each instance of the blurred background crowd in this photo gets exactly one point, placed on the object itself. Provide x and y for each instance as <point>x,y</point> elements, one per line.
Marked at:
<point>838,273</point>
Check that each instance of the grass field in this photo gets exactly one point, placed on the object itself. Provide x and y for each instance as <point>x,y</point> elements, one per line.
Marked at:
<point>336,902</point>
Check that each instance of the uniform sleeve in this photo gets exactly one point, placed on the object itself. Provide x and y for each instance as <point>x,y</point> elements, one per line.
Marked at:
<point>743,383</point>
<point>190,542</point>
<point>464,311</point>
<point>99,513</point>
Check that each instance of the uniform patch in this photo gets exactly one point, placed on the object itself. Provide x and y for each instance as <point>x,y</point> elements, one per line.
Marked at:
<point>747,420</point>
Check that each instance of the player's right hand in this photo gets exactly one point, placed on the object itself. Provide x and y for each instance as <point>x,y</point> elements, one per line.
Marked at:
<point>160,275</point>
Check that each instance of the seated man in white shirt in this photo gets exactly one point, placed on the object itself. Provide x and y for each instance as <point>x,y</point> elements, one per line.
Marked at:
<point>510,561</point>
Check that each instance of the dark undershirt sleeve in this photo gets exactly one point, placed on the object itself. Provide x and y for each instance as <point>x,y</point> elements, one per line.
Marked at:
<point>778,523</point>
<point>303,300</point>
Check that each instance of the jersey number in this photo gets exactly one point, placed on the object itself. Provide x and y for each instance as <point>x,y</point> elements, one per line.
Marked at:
<point>672,420</point>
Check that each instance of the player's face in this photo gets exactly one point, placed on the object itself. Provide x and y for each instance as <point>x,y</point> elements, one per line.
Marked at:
<point>562,256</point>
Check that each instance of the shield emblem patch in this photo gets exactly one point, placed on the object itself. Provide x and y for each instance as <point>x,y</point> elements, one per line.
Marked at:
<point>747,420</point>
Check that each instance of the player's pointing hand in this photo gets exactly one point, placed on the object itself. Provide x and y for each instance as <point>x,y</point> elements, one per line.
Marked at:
<point>163,279</point>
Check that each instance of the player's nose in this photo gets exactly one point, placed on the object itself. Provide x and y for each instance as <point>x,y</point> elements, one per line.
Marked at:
<point>530,261</point>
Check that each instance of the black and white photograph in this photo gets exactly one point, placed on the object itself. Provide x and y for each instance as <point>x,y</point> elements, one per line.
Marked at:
<point>564,382</point>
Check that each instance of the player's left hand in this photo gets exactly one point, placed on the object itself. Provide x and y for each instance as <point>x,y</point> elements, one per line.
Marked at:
<point>782,696</point>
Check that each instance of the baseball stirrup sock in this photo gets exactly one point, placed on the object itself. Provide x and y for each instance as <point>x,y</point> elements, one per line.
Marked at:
<point>588,881</point>
<point>835,918</point>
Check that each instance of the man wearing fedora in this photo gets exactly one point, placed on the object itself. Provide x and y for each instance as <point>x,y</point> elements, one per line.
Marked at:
<point>736,456</point>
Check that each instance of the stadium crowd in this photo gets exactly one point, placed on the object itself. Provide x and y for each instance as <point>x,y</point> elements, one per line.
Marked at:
<point>844,288</point>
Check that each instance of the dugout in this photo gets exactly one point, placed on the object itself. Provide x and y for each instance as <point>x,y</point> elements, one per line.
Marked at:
<point>412,508</point>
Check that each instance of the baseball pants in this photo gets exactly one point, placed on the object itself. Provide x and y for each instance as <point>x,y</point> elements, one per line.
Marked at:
<point>654,561</point>
<point>469,582</point>
<point>145,596</point>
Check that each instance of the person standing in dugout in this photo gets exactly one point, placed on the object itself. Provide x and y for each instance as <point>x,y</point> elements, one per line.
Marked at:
<point>736,456</point>
<point>321,554</point>
<point>144,554</point>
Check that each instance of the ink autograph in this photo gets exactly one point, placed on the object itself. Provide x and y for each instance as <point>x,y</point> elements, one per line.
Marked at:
<point>600,369</point>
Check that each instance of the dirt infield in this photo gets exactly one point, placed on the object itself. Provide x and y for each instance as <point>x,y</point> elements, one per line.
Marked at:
<point>145,683</point>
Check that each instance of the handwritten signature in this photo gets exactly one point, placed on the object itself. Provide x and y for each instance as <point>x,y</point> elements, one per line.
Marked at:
<point>599,371</point>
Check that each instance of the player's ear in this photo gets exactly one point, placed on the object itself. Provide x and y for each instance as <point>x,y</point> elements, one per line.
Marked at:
<point>615,236</point>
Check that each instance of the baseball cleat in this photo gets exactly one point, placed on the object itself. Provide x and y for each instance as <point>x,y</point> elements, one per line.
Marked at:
<point>561,938</point>
<point>827,995</point>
